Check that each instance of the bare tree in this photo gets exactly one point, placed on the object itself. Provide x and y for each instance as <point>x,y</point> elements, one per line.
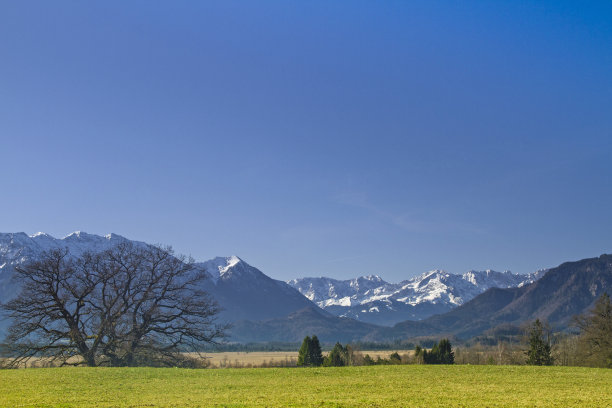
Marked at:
<point>594,344</point>
<point>127,306</point>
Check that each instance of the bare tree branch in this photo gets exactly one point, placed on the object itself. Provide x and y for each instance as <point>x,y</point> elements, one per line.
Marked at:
<point>126,306</point>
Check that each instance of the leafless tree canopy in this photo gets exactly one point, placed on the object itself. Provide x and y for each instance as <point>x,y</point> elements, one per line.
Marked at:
<point>595,340</point>
<point>126,306</point>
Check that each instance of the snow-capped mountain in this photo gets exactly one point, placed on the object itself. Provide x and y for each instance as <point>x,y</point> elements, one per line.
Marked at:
<point>18,247</point>
<point>371,299</point>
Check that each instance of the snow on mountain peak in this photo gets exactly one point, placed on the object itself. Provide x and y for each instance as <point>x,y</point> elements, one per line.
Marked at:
<point>432,291</point>
<point>227,264</point>
<point>232,260</point>
<point>79,235</point>
<point>18,247</point>
<point>223,267</point>
<point>223,264</point>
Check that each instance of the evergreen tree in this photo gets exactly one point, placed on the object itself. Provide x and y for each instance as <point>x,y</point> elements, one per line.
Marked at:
<point>367,360</point>
<point>595,341</point>
<point>445,352</point>
<point>441,353</point>
<point>316,357</point>
<point>304,353</point>
<point>395,358</point>
<point>337,357</point>
<point>432,356</point>
<point>539,352</point>
<point>310,353</point>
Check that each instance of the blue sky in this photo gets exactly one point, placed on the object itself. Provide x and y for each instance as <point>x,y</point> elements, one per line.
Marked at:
<point>314,138</point>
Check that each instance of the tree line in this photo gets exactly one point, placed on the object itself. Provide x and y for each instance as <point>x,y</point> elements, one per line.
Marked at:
<point>441,353</point>
<point>310,355</point>
<point>591,347</point>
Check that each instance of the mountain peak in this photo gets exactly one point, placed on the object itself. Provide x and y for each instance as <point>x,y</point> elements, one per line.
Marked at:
<point>230,263</point>
<point>223,263</point>
<point>77,235</point>
<point>41,234</point>
<point>226,267</point>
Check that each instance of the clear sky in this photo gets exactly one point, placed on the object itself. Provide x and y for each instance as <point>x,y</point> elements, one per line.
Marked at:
<point>334,138</point>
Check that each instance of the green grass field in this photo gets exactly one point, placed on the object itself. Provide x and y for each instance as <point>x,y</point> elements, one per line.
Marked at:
<point>375,386</point>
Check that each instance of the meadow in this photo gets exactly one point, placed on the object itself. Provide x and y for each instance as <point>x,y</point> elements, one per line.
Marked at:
<point>373,386</point>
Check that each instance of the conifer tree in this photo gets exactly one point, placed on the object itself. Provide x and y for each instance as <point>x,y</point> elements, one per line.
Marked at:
<point>441,353</point>
<point>367,360</point>
<point>539,352</point>
<point>337,357</point>
<point>431,357</point>
<point>310,353</point>
<point>395,358</point>
<point>304,353</point>
<point>445,352</point>
<point>316,356</point>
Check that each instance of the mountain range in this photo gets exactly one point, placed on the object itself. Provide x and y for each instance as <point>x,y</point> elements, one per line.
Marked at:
<point>563,292</point>
<point>371,299</point>
<point>263,309</point>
